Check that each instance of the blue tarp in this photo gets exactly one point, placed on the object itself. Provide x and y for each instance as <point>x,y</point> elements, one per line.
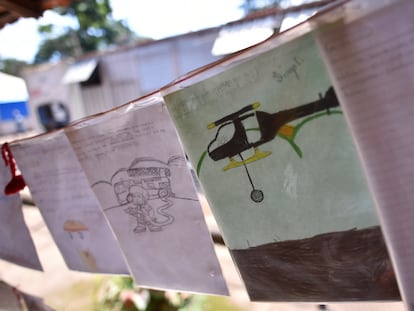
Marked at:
<point>13,98</point>
<point>7,110</point>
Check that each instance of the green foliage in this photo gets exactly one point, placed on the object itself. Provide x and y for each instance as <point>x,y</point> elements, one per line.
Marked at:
<point>96,30</point>
<point>120,294</point>
<point>12,66</point>
<point>57,48</point>
<point>250,6</point>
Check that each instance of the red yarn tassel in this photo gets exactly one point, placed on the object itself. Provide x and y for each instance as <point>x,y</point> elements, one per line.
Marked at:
<point>17,182</point>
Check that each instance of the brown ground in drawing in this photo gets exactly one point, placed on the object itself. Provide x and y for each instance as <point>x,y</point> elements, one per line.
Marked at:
<point>336,266</point>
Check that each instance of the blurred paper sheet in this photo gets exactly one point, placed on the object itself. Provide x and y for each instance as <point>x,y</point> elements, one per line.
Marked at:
<point>16,244</point>
<point>139,173</point>
<point>12,299</point>
<point>67,204</point>
<point>372,64</point>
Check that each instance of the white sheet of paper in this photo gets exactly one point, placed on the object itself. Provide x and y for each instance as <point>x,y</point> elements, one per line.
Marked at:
<point>16,244</point>
<point>68,205</point>
<point>138,171</point>
<point>371,61</point>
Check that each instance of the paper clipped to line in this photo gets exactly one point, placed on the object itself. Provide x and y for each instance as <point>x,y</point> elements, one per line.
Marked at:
<point>69,207</point>
<point>137,169</point>
<point>279,168</point>
<point>16,244</point>
<point>372,64</point>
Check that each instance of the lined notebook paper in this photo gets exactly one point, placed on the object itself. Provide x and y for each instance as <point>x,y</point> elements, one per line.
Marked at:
<point>372,63</point>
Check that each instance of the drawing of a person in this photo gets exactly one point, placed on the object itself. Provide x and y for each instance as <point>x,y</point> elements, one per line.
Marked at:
<point>141,210</point>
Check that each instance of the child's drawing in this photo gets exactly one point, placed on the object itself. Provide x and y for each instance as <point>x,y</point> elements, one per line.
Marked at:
<point>75,227</point>
<point>144,191</point>
<point>139,207</point>
<point>270,126</point>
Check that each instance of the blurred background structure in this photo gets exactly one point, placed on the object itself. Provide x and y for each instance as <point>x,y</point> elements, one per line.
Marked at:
<point>96,63</point>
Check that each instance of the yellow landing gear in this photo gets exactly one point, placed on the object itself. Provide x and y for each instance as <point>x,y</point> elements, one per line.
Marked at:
<point>257,156</point>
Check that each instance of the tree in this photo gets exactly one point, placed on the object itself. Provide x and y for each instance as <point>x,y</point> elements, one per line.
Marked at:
<point>96,30</point>
<point>250,6</point>
<point>12,66</point>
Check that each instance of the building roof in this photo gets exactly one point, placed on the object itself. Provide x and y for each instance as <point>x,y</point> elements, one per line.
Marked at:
<point>12,10</point>
<point>13,89</point>
<point>262,24</point>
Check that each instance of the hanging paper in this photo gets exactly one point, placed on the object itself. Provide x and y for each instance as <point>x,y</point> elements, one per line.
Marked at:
<point>371,61</point>
<point>70,210</point>
<point>273,152</point>
<point>138,171</point>
<point>16,244</point>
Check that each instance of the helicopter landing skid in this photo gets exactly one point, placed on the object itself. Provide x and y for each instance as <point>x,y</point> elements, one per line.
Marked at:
<point>257,156</point>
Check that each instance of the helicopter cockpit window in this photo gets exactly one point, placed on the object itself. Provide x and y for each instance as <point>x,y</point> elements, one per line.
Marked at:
<point>244,131</point>
<point>252,129</point>
<point>225,134</point>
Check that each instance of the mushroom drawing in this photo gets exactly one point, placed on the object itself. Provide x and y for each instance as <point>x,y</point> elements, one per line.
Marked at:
<point>73,226</point>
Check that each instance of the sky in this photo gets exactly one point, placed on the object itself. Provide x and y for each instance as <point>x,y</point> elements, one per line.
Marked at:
<point>151,18</point>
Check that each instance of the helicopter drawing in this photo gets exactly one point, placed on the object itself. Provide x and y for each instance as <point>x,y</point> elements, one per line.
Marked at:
<point>269,126</point>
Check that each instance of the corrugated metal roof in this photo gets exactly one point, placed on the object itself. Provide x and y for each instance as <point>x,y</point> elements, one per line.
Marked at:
<point>260,25</point>
<point>13,89</point>
<point>236,37</point>
<point>291,19</point>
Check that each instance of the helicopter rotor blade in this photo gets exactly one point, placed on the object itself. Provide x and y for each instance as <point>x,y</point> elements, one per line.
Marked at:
<point>233,115</point>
